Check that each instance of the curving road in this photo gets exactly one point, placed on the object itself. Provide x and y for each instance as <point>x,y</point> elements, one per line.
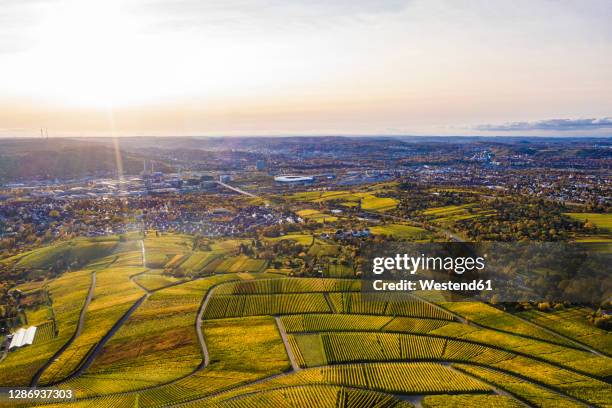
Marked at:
<point>198,326</point>
<point>76,333</point>
<point>98,347</point>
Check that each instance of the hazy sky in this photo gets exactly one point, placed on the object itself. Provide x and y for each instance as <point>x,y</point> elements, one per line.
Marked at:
<point>230,67</point>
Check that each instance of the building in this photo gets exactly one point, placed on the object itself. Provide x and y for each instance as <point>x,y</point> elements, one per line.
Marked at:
<point>225,178</point>
<point>23,337</point>
<point>293,179</point>
<point>261,165</point>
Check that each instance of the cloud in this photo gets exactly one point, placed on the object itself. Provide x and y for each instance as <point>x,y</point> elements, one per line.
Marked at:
<point>550,124</point>
<point>192,13</point>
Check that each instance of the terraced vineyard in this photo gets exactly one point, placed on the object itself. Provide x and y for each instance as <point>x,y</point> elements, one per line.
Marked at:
<point>246,337</point>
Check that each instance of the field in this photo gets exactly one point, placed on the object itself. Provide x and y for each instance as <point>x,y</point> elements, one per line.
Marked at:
<point>303,239</point>
<point>400,231</point>
<point>367,200</point>
<point>449,214</point>
<point>241,263</point>
<point>68,296</point>
<point>160,330</point>
<point>603,221</point>
<point>316,216</point>
<point>232,332</point>
<point>113,295</point>
<point>572,323</point>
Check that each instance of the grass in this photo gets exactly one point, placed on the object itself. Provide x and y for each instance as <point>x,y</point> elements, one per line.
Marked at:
<point>302,239</point>
<point>368,201</point>
<point>451,213</point>
<point>533,394</point>
<point>603,221</point>
<point>321,248</point>
<point>251,344</point>
<point>573,323</point>
<point>196,262</point>
<point>241,350</point>
<point>81,251</point>
<point>310,349</point>
<point>241,263</point>
<point>156,280</point>
<point>489,316</point>
<point>400,231</point>
<point>469,400</point>
<point>159,250</point>
<point>316,216</point>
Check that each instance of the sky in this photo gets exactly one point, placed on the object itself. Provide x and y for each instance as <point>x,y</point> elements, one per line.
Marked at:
<point>305,67</point>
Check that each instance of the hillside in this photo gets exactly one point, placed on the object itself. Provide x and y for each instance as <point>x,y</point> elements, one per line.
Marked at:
<point>22,159</point>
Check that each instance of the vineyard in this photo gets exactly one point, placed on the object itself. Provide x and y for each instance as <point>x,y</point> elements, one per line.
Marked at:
<point>256,305</point>
<point>394,305</point>
<point>246,336</point>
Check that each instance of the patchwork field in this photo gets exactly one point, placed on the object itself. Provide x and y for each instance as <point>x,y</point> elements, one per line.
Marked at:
<point>452,213</point>
<point>235,332</point>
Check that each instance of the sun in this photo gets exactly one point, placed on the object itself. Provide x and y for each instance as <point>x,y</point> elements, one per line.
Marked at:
<point>88,54</point>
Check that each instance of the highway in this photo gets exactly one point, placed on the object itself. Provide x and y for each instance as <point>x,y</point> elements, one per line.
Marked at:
<point>236,189</point>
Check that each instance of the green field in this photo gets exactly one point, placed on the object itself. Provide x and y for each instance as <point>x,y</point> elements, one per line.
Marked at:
<point>316,216</point>
<point>400,231</point>
<point>449,214</point>
<point>368,201</point>
<point>603,221</point>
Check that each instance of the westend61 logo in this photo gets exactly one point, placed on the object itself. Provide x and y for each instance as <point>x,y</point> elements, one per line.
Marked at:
<point>402,264</point>
<point>412,264</point>
<point>503,271</point>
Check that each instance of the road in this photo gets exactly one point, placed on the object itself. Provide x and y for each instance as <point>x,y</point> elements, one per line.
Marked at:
<point>76,333</point>
<point>283,333</point>
<point>198,325</point>
<point>236,189</point>
<point>561,336</point>
<point>144,255</point>
<point>98,347</point>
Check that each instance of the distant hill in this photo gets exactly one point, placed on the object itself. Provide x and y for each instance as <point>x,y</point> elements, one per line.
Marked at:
<point>64,158</point>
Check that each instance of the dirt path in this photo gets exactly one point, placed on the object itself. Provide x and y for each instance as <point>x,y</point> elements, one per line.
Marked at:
<point>294,365</point>
<point>143,253</point>
<point>516,397</point>
<point>76,333</point>
<point>407,397</point>
<point>495,389</point>
<point>330,304</point>
<point>198,327</point>
<point>561,336</point>
<point>98,347</point>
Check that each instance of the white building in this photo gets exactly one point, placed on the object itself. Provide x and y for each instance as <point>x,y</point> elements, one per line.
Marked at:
<point>23,337</point>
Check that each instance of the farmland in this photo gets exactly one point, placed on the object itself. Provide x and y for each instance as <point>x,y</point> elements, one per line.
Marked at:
<point>603,221</point>
<point>366,200</point>
<point>215,324</point>
<point>400,231</point>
